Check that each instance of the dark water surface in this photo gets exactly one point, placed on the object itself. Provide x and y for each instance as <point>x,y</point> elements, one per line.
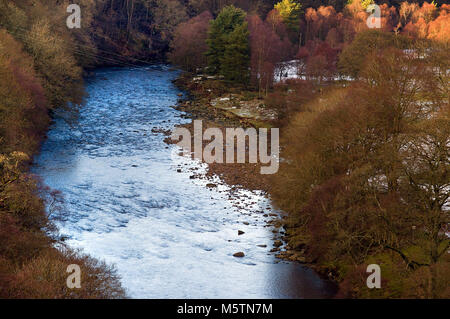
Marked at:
<point>125,202</point>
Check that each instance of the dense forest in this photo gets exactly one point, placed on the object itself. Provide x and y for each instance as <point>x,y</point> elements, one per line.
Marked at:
<point>366,126</point>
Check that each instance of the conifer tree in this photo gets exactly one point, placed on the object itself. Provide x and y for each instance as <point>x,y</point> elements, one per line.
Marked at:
<point>228,35</point>
<point>236,59</point>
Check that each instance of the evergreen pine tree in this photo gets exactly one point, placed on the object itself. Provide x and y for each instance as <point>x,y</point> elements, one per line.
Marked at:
<point>235,62</point>
<point>223,40</point>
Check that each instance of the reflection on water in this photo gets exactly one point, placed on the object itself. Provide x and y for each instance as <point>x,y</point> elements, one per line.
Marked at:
<point>127,203</point>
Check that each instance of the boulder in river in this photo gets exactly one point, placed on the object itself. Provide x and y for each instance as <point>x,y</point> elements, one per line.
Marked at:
<point>239,254</point>
<point>240,232</point>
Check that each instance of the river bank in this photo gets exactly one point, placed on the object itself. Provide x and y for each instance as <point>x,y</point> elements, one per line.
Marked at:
<point>210,100</point>
<point>220,106</point>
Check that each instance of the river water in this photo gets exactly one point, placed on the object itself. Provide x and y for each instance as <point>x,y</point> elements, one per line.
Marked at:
<point>126,201</point>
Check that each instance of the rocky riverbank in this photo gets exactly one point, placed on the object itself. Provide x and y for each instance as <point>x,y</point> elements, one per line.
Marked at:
<point>208,101</point>
<point>221,106</point>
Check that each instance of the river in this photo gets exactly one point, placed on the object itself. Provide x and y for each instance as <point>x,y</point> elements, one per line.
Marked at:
<point>129,200</point>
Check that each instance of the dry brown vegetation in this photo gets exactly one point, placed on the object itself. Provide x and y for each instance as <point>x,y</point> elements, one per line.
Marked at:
<point>367,168</point>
